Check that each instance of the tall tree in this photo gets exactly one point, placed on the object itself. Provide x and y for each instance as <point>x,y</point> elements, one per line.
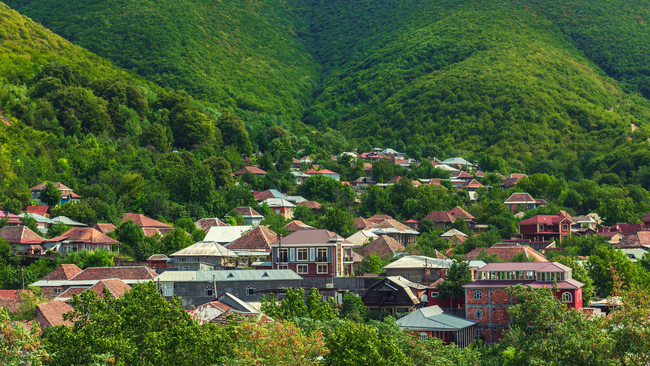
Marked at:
<point>50,195</point>
<point>457,276</point>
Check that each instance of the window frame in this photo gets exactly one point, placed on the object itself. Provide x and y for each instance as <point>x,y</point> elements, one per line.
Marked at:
<point>478,312</point>
<point>569,297</point>
<point>306,256</point>
<point>248,292</point>
<point>423,336</point>
<point>478,295</point>
<point>319,257</point>
<point>283,266</point>
<point>280,256</point>
<point>318,267</point>
<point>299,266</point>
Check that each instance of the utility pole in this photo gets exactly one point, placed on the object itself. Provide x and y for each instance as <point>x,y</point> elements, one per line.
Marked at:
<point>22,271</point>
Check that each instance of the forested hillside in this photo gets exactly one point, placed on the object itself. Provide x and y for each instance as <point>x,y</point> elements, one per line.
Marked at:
<point>250,55</point>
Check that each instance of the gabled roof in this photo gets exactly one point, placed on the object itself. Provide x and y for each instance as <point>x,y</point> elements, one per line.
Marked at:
<point>68,221</point>
<point>239,317</point>
<point>361,237</point>
<point>10,299</point>
<point>20,235</point>
<point>394,180</point>
<point>453,232</point>
<point>380,217</point>
<point>278,202</point>
<point>626,228</point>
<point>226,234</point>
<point>646,219</point>
<point>318,236</point>
<point>209,311</point>
<point>247,212</point>
<point>480,174</point>
<point>396,282</point>
<point>230,276</point>
<point>252,169</point>
<point>311,204</point>
<point>145,222</point>
<point>158,257</point>
<point>206,223</point>
<point>86,235</point>
<point>526,266</point>
<point>419,261</point>
<point>257,239</point>
<point>520,198</point>
<point>39,210</point>
<point>390,227</point>
<point>544,219</point>
<point>204,249</point>
<point>37,217</point>
<point>104,228</point>
<point>51,313</point>
<point>115,286</point>
<point>638,239</point>
<point>122,273</point>
<point>505,251</point>
<point>62,273</point>
<point>385,245</point>
<point>472,184</point>
<point>296,225</point>
<point>462,175</point>
<point>512,180</point>
<point>269,193</point>
<point>456,161</point>
<point>439,216</point>
<point>60,186</point>
<point>361,223</point>
<point>432,318</point>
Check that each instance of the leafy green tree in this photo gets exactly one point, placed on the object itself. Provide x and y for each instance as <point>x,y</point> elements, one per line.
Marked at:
<point>322,189</point>
<point>372,263</point>
<point>19,346</point>
<point>176,240</point>
<point>193,129</point>
<point>85,259</point>
<point>521,257</point>
<point>234,133</point>
<point>337,220</point>
<point>129,235</point>
<point>138,328</point>
<point>375,201</point>
<point>188,225</point>
<point>382,171</point>
<point>457,276</point>
<point>156,135</point>
<point>80,211</point>
<point>50,195</point>
<point>30,222</point>
<point>318,309</point>
<point>221,171</point>
<point>579,273</point>
<point>610,268</point>
<point>58,229</point>
<point>353,308</point>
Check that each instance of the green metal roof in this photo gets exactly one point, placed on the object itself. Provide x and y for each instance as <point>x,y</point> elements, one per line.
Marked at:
<point>432,318</point>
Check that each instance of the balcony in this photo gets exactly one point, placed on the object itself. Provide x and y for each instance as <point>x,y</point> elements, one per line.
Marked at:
<point>282,259</point>
<point>322,259</point>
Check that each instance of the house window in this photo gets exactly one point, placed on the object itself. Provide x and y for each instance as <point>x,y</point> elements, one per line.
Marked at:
<point>565,227</point>
<point>283,255</point>
<point>321,255</point>
<point>277,211</point>
<point>185,268</point>
<point>478,295</point>
<point>434,294</point>
<point>478,332</point>
<point>321,269</point>
<point>208,292</point>
<point>250,290</point>
<point>302,254</point>
<point>179,285</point>
<point>566,297</point>
<point>423,336</point>
<point>478,314</point>
<point>302,268</point>
<point>283,266</point>
<point>57,290</point>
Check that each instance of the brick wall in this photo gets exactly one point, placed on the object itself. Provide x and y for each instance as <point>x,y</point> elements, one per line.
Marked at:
<point>472,301</point>
<point>500,316</point>
<point>48,292</point>
<point>471,314</point>
<point>500,297</point>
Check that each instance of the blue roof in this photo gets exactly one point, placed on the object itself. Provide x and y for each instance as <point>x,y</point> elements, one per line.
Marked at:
<point>432,318</point>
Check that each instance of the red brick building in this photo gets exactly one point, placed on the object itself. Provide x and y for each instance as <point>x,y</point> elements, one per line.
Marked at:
<point>487,301</point>
<point>546,227</point>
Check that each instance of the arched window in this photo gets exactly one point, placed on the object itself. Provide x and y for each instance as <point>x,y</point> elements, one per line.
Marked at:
<point>478,314</point>
<point>423,336</point>
<point>478,295</point>
<point>566,297</point>
<point>250,290</point>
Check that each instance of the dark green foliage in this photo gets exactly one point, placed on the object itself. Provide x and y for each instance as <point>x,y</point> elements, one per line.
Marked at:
<point>352,308</point>
<point>457,276</point>
<point>50,195</point>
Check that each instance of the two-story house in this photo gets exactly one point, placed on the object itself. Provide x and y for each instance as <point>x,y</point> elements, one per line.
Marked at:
<point>523,202</point>
<point>280,206</point>
<point>394,294</point>
<point>67,194</point>
<point>313,253</point>
<point>202,256</point>
<point>546,227</point>
<point>487,300</point>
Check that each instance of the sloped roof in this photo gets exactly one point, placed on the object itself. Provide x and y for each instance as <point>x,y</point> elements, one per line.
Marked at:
<point>116,287</point>
<point>361,237</point>
<point>83,235</point>
<point>257,239</point>
<point>122,273</point>
<point>520,198</point>
<point>646,219</point>
<point>318,236</point>
<point>380,217</point>
<point>439,216</point>
<point>60,186</point>
<point>226,234</point>
<point>480,174</point>
<point>453,232</point>
<point>62,273</point>
<point>462,175</point>
<point>385,245</point>
<point>144,221</point>
<point>10,299</point>
<point>68,221</point>
<point>39,210</point>
<point>296,225</point>
<point>638,239</point>
<point>361,223</point>
<point>311,204</point>
<point>74,290</point>
<point>512,180</point>
<point>239,317</point>
<point>252,169</point>
<point>472,184</point>
<point>206,223</point>
<point>395,179</point>
<point>506,252</point>
<point>230,276</point>
<point>432,318</point>
<point>204,248</point>
<point>20,235</point>
<point>209,311</point>
<point>104,228</point>
<point>278,202</point>
<point>247,212</point>
<point>37,217</point>
<point>456,161</point>
<point>391,226</point>
<point>626,228</point>
<point>543,219</point>
<point>50,314</point>
<point>158,257</point>
<point>526,266</point>
<point>419,261</point>
<point>270,193</point>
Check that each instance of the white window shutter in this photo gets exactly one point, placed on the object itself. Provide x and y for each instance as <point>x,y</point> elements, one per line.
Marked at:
<point>292,254</point>
<point>312,254</point>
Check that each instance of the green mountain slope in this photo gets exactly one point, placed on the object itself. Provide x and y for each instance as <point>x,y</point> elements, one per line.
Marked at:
<point>477,75</point>
<point>250,55</point>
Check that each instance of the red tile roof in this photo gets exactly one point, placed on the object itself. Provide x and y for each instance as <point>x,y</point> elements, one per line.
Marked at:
<point>50,314</point>
<point>480,174</point>
<point>123,273</point>
<point>512,180</point>
<point>311,204</point>
<point>62,273</point>
<point>318,236</point>
<point>626,228</point>
<point>380,217</point>
<point>638,239</point>
<point>86,235</point>
<point>394,179</point>
<point>296,225</point>
<point>145,222</point>
<point>462,175</point>
<point>209,311</point>
<point>115,286</point>
<point>543,219</point>
<point>646,219</point>
<point>158,257</point>
<point>384,245</point>
<point>10,299</point>
<point>439,216</point>
<point>257,239</point>
<point>20,235</point>
<point>60,186</point>
<point>520,198</point>
<point>207,223</point>
<point>472,184</point>
<point>246,211</point>
<point>457,212</point>
<point>39,210</point>
<point>360,223</point>
<point>387,224</point>
<point>506,252</point>
<point>104,228</point>
<point>253,169</point>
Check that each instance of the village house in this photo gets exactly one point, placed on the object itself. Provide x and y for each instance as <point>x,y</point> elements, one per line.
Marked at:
<point>38,210</point>
<point>42,223</point>
<point>431,321</point>
<point>325,172</point>
<point>401,233</point>
<point>114,286</point>
<point>361,237</point>
<point>50,314</point>
<point>511,180</point>
<point>310,204</point>
<point>78,239</point>
<point>206,223</point>
<point>442,220</point>
<point>487,300</point>
<point>313,253</point>
<point>300,177</point>
<point>67,194</point>
<point>418,268</point>
<point>149,226</point>
<point>269,193</point>
<point>22,239</point>
<point>251,217</point>
<point>104,228</point>
<point>254,245</point>
<point>395,295</point>
<point>518,202</point>
<point>384,246</point>
<point>296,225</point>
<point>250,169</point>
<point>202,256</point>
<point>584,222</point>
<point>546,227</point>
<point>506,251</point>
<point>280,206</point>
<point>12,220</point>
<point>196,288</point>
<point>457,162</point>
<point>226,234</point>
<point>67,221</point>
<point>225,303</point>
<point>159,261</point>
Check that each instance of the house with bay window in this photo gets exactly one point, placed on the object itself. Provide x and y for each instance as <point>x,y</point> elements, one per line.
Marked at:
<point>487,300</point>
<point>313,253</point>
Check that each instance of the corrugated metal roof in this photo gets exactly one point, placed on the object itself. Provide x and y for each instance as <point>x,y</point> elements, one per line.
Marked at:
<point>46,283</point>
<point>229,276</point>
<point>68,221</point>
<point>226,234</point>
<point>432,318</point>
<point>37,217</point>
<point>419,261</point>
<point>278,202</point>
<point>205,248</point>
